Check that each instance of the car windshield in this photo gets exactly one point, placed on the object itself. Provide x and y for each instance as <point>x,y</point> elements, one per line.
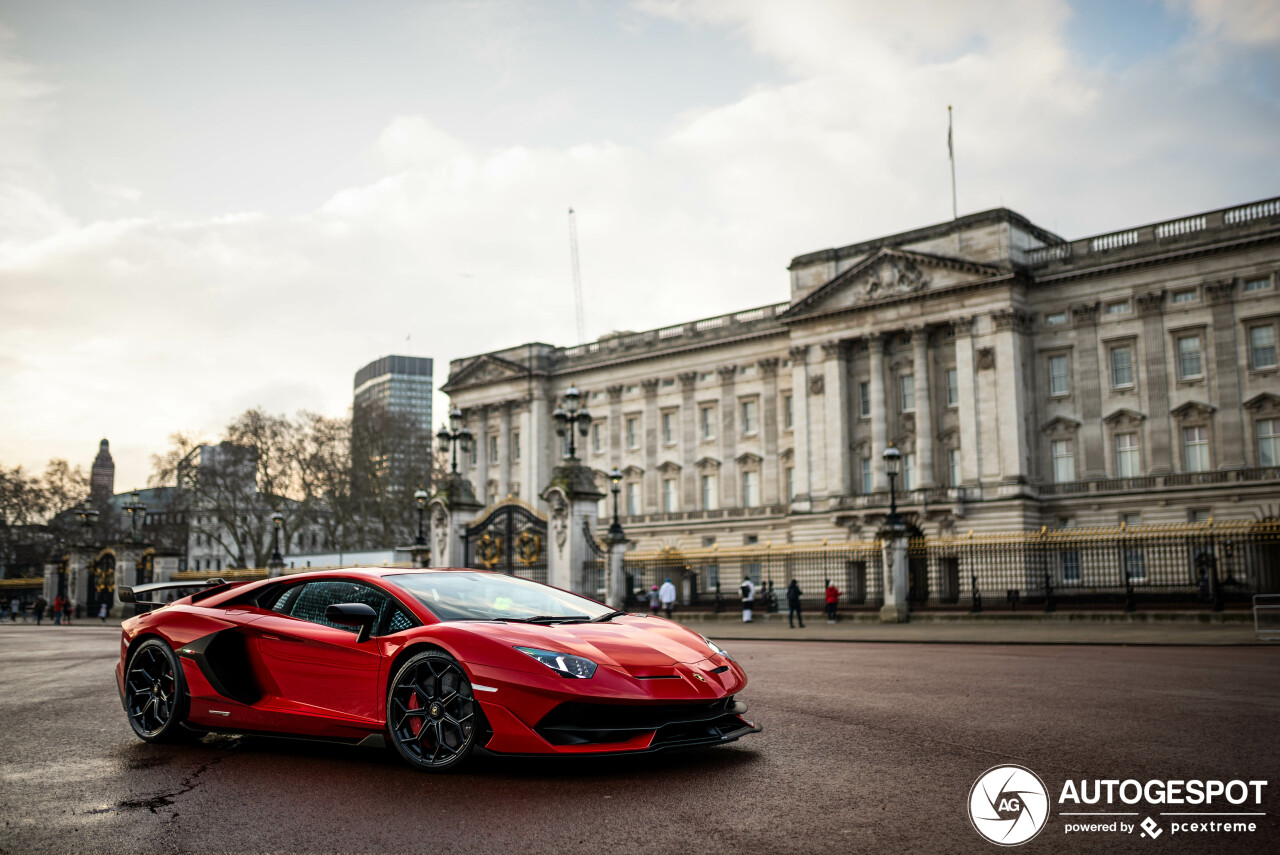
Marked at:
<point>454,595</point>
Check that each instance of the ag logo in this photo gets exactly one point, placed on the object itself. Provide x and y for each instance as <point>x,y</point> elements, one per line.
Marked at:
<point>1008,805</point>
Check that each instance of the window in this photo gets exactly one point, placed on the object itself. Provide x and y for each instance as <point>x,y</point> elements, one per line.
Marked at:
<point>309,601</point>
<point>1199,515</point>
<point>788,416</point>
<point>953,466</point>
<point>1054,319</point>
<point>789,477</point>
<point>953,387</point>
<point>710,492</point>
<point>750,489</point>
<point>866,476</point>
<point>493,448</point>
<point>1258,284</point>
<point>1188,296</point>
<point>515,446</point>
<point>1269,442</point>
<point>749,417</point>
<point>1131,519</point>
<point>1064,461</point>
<point>864,399</point>
<point>1058,380</point>
<point>707,422</point>
<point>908,471</point>
<point>670,496</point>
<point>1195,444</point>
<point>633,498</point>
<point>1120,308</point>
<point>1189,362</point>
<point>907,391</point>
<point>1122,366</point>
<point>1126,455</point>
<point>633,431</point>
<point>1262,346</point>
<point>668,428</point>
<point>597,438</point>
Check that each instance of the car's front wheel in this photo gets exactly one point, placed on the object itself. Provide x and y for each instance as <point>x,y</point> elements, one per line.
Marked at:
<point>432,713</point>
<point>155,693</point>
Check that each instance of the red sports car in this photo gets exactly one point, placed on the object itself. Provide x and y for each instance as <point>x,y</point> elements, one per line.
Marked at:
<point>441,662</point>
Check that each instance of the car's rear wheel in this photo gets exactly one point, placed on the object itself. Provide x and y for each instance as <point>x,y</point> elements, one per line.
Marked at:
<point>432,713</point>
<point>155,693</point>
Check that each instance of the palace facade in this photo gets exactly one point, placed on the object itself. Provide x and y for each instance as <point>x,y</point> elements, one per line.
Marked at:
<point>1027,380</point>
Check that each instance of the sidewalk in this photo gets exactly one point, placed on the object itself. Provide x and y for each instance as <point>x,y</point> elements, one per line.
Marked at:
<point>1159,628</point>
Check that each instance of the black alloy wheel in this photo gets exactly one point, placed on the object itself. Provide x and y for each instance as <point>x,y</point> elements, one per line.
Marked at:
<point>432,713</point>
<point>155,693</point>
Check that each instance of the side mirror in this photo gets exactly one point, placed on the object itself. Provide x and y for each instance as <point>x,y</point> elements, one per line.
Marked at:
<point>353,614</point>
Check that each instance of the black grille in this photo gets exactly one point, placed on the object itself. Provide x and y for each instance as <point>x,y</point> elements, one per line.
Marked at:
<point>676,724</point>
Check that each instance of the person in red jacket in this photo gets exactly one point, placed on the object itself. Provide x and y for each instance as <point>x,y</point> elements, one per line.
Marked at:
<point>833,601</point>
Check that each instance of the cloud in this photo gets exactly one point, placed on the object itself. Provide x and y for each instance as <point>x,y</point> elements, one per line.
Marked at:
<point>1248,22</point>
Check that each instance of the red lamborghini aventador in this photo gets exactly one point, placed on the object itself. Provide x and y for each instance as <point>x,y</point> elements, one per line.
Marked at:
<point>440,662</point>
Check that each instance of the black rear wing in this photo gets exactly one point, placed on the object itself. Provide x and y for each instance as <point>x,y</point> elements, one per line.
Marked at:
<point>138,593</point>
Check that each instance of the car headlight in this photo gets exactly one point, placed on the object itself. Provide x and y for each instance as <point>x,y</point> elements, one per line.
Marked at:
<point>715,648</point>
<point>572,667</point>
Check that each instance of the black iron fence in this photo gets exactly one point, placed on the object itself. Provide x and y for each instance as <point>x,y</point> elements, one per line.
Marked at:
<point>1207,564</point>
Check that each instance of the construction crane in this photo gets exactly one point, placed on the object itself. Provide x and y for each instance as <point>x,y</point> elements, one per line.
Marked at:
<point>577,276</point>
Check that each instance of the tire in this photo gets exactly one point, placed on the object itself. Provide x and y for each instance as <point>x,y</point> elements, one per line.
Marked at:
<point>433,718</point>
<point>155,694</point>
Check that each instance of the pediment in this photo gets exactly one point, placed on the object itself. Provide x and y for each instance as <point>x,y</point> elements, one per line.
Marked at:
<point>749,459</point>
<point>886,274</point>
<point>1264,403</point>
<point>786,455</point>
<point>707,464</point>
<point>483,369</point>
<point>1060,426</point>
<point>1193,409</point>
<point>632,471</point>
<point>1124,416</point>
<point>669,468</point>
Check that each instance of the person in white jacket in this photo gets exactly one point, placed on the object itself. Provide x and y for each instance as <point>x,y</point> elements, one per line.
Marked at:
<point>748,597</point>
<point>667,597</point>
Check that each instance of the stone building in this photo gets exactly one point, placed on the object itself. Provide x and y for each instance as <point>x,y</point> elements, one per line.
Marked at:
<point>1028,381</point>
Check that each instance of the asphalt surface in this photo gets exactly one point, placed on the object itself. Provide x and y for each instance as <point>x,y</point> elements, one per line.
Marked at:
<point>867,748</point>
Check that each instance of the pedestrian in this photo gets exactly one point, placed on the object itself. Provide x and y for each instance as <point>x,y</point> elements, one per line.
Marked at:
<point>66,612</point>
<point>102,612</point>
<point>833,601</point>
<point>653,600</point>
<point>59,603</point>
<point>38,607</point>
<point>15,606</point>
<point>748,590</point>
<point>793,604</point>
<point>667,596</point>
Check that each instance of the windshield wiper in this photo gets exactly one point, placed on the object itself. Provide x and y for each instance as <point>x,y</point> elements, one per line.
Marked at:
<point>547,619</point>
<point>607,617</point>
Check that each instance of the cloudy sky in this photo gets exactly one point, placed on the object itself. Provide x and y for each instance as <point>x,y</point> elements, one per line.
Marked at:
<point>206,207</point>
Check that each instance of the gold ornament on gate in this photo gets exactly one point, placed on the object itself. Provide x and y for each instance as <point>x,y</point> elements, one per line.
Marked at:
<point>528,548</point>
<point>488,550</point>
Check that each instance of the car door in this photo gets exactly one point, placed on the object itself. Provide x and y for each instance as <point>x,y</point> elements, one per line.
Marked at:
<point>314,666</point>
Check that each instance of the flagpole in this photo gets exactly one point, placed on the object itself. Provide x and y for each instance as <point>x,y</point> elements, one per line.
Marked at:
<point>951,152</point>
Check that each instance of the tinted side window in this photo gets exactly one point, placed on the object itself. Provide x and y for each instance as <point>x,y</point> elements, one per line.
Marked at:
<point>315,597</point>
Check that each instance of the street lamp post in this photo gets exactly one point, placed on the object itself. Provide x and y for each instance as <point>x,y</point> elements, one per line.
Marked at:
<point>615,487</point>
<point>134,509</point>
<point>570,414</point>
<point>421,498</point>
<point>453,435</point>
<point>277,520</point>
<point>88,519</point>
<point>892,457</point>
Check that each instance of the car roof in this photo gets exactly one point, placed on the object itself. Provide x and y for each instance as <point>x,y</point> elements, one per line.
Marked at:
<point>376,571</point>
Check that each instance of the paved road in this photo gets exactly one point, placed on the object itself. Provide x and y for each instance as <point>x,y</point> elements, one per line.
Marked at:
<point>866,748</point>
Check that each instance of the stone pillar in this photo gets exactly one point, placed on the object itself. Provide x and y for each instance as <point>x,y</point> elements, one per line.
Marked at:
<point>50,589</point>
<point>802,502</point>
<point>966,386</point>
<point>78,575</point>
<point>536,465</point>
<point>450,510</point>
<point>925,433</point>
<point>1229,426</point>
<point>127,558</point>
<point>893,544</point>
<point>837,415</point>
<point>1151,307</point>
<point>615,425</point>
<point>769,417</point>
<point>164,568</point>
<point>616,576</point>
<point>1091,459</point>
<point>480,481</point>
<point>573,500</point>
<point>650,426</point>
<point>688,441</point>
<point>879,412</point>
<point>1012,417</point>
<point>504,454</point>
<point>729,497</point>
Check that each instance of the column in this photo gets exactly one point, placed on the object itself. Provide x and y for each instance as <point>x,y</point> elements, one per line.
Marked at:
<point>769,418</point>
<point>1012,415</point>
<point>1229,426</point>
<point>480,481</point>
<point>970,445</point>
<point>836,414</point>
<point>879,411</point>
<point>540,438</point>
<point>1150,307</point>
<point>615,425</point>
<point>504,452</point>
<point>688,441</point>
<point>800,428</point>
<point>729,497</point>
<point>925,433</point>
<point>1094,462</point>
<point>650,389</point>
